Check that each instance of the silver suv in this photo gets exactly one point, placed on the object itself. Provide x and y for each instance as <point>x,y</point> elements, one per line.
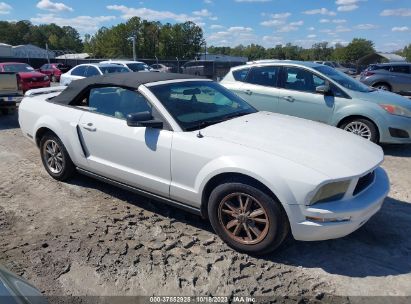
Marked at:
<point>395,77</point>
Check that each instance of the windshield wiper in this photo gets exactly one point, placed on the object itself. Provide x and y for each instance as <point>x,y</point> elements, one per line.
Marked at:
<point>206,123</point>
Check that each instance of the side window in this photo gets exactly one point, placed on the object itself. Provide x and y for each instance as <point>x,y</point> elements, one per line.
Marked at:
<point>400,69</point>
<point>92,71</point>
<point>298,79</point>
<point>241,75</point>
<point>79,71</point>
<point>264,76</point>
<point>117,102</point>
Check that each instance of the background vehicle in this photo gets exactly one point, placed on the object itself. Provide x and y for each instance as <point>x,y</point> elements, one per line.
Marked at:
<point>91,69</point>
<point>54,70</point>
<point>27,77</point>
<point>208,68</point>
<point>135,66</point>
<point>321,93</point>
<point>10,94</point>
<point>194,144</point>
<point>337,66</point>
<point>395,77</point>
<point>164,68</point>
<point>16,290</point>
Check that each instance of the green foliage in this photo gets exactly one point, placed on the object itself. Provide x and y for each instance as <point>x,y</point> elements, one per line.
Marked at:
<point>182,40</point>
<point>407,52</point>
<point>23,32</point>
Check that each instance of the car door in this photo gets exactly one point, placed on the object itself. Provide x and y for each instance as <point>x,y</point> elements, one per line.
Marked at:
<point>298,96</point>
<point>400,78</point>
<point>136,156</point>
<point>260,88</point>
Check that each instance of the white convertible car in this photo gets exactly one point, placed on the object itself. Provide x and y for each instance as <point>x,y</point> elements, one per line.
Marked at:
<point>191,143</point>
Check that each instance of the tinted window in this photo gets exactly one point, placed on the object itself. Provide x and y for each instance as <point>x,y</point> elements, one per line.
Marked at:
<point>92,71</point>
<point>79,71</point>
<point>400,69</point>
<point>113,69</point>
<point>265,76</point>
<point>18,67</point>
<point>342,79</point>
<point>197,104</point>
<point>241,75</point>
<point>301,80</point>
<point>135,67</point>
<point>117,102</point>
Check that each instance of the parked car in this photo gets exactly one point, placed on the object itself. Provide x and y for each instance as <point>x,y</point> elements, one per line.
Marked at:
<point>164,68</point>
<point>321,93</point>
<point>91,69</point>
<point>208,68</point>
<point>395,77</point>
<point>54,70</point>
<point>10,94</point>
<point>134,66</point>
<point>16,290</point>
<point>339,67</point>
<point>27,77</point>
<point>191,143</point>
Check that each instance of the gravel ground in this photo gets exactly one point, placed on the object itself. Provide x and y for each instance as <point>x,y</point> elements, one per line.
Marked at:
<point>88,238</point>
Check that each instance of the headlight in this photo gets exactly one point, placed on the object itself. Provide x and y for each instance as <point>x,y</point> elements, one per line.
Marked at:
<point>330,192</point>
<point>396,110</point>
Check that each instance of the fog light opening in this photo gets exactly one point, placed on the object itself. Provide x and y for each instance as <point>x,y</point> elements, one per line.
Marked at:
<point>328,220</point>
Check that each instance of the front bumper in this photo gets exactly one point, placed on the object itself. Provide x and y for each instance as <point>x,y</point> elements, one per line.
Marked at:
<point>25,86</point>
<point>399,123</point>
<point>359,209</point>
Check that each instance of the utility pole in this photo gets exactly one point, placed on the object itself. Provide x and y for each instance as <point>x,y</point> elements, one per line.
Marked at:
<point>134,48</point>
<point>47,51</point>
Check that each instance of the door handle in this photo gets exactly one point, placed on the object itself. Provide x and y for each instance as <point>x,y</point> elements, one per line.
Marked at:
<point>248,92</point>
<point>289,98</point>
<point>89,126</point>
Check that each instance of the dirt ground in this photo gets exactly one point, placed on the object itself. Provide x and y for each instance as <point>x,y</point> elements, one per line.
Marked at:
<point>88,238</point>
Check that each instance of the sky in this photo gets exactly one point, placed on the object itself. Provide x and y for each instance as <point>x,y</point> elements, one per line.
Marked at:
<point>233,22</point>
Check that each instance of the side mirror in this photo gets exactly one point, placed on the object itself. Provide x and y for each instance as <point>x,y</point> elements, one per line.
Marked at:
<point>323,89</point>
<point>143,119</point>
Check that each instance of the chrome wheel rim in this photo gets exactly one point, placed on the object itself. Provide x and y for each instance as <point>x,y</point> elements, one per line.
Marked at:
<point>243,218</point>
<point>382,87</point>
<point>53,156</point>
<point>359,128</point>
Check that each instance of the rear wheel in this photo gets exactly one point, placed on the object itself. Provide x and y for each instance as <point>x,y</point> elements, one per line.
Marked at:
<point>382,86</point>
<point>55,158</point>
<point>362,127</point>
<point>246,218</point>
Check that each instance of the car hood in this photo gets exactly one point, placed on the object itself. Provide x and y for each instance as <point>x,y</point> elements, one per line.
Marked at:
<point>24,75</point>
<point>328,150</point>
<point>383,97</point>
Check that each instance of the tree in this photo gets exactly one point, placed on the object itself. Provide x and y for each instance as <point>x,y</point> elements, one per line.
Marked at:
<point>407,52</point>
<point>358,48</point>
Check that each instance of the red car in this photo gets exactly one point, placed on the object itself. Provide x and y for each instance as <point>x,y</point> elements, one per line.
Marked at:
<point>54,70</point>
<point>27,77</point>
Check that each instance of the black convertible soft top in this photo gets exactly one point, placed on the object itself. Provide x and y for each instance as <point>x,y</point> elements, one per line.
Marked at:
<point>130,80</point>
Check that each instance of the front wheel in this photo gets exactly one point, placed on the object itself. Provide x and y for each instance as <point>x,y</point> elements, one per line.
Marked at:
<point>362,127</point>
<point>53,78</point>
<point>55,158</point>
<point>246,218</point>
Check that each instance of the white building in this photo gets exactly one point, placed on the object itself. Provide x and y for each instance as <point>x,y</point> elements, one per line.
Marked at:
<point>5,50</point>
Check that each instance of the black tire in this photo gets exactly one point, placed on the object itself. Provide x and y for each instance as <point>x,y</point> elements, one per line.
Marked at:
<point>67,167</point>
<point>53,78</point>
<point>271,236</point>
<point>382,86</point>
<point>366,124</point>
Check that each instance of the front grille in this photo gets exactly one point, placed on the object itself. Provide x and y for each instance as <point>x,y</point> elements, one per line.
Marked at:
<point>364,182</point>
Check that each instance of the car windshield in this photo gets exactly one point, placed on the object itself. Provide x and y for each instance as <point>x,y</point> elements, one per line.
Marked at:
<point>18,68</point>
<point>113,69</point>
<point>136,67</point>
<point>343,80</point>
<point>198,104</point>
